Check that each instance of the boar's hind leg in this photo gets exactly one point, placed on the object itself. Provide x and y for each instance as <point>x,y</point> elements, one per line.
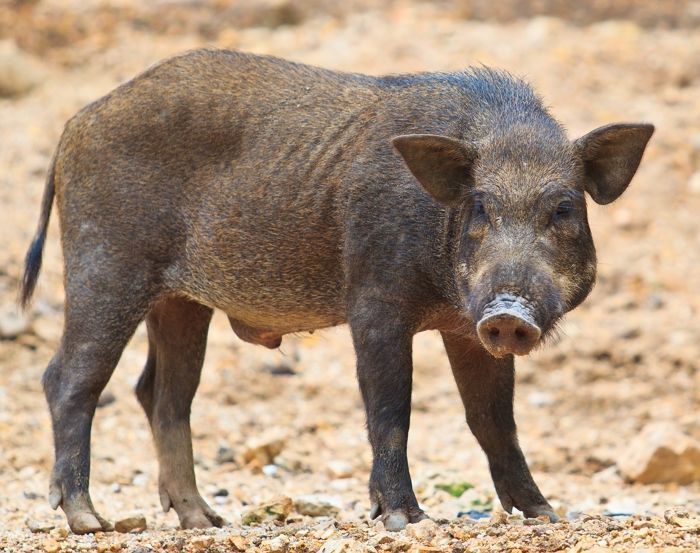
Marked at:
<point>99,320</point>
<point>177,336</point>
<point>383,346</point>
<point>486,386</point>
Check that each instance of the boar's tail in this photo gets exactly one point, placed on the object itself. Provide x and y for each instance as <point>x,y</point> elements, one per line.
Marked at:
<point>32,263</point>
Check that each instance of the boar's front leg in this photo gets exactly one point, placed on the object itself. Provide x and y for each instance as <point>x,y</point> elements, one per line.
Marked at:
<point>382,339</point>
<point>486,386</point>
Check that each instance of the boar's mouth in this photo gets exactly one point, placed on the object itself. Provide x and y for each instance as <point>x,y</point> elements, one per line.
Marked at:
<point>509,325</point>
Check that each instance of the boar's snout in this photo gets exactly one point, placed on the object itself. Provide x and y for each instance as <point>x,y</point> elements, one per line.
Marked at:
<point>508,327</point>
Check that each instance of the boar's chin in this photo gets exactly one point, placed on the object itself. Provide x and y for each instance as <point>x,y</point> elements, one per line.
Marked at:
<point>507,326</point>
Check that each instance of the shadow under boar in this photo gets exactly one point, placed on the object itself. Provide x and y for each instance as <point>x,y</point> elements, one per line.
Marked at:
<point>288,197</point>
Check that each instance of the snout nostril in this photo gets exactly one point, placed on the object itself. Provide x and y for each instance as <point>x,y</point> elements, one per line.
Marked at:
<point>510,330</point>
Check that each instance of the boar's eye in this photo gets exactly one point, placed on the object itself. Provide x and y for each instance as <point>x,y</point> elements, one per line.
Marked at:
<point>564,209</point>
<point>478,209</point>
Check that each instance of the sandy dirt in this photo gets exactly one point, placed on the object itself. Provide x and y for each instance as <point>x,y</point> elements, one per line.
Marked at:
<point>626,358</point>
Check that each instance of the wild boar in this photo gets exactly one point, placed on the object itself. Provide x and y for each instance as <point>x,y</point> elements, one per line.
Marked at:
<point>294,198</point>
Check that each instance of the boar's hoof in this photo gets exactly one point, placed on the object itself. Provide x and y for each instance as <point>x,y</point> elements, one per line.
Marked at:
<point>525,498</point>
<point>395,521</point>
<point>541,510</point>
<point>206,518</point>
<point>88,523</point>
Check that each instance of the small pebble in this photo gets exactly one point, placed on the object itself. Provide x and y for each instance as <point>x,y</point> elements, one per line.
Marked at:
<point>238,543</point>
<point>225,455</point>
<point>425,530</point>
<point>60,533</point>
<point>131,524</point>
<point>281,369</point>
<point>318,505</point>
<point>276,545</point>
<point>278,510</point>
<point>51,546</point>
<point>140,480</point>
<point>694,183</point>
<point>12,322</point>
<point>515,520</point>
<point>534,521</point>
<point>476,515</point>
<point>339,469</point>
<point>202,543</point>
<point>39,527</point>
<point>499,517</point>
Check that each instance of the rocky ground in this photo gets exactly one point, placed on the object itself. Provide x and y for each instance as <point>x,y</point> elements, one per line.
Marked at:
<point>607,414</point>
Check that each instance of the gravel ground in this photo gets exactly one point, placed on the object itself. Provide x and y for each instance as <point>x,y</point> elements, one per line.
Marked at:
<point>289,423</point>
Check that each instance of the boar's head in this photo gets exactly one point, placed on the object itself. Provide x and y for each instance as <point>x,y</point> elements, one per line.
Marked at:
<point>522,249</point>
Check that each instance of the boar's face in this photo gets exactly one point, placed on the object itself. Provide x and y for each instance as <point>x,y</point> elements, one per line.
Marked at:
<point>523,253</point>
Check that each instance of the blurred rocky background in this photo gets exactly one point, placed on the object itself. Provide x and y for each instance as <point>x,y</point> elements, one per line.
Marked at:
<point>608,414</point>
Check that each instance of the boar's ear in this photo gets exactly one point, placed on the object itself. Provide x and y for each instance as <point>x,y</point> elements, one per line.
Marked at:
<point>611,155</point>
<point>441,164</point>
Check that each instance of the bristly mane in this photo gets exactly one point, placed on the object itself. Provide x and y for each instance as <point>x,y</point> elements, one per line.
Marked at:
<point>499,88</point>
<point>503,100</point>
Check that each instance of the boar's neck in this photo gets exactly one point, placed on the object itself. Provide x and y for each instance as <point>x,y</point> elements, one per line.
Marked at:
<point>479,106</point>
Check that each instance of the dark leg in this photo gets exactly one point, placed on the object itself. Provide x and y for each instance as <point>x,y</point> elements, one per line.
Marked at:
<point>383,340</point>
<point>99,321</point>
<point>147,380</point>
<point>177,334</point>
<point>486,386</point>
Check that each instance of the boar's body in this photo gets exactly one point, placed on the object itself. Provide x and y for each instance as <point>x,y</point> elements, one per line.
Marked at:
<point>271,191</point>
<point>258,186</point>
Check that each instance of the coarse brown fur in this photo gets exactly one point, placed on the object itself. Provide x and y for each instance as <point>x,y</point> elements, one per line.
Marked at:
<point>271,191</point>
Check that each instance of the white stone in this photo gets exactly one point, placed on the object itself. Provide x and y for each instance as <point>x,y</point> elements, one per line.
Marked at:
<point>661,453</point>
<point>318,505</point>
